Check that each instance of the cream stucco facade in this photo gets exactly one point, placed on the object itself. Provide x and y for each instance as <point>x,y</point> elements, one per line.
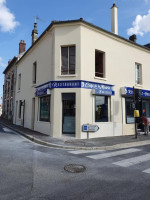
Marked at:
<point>120,58</point>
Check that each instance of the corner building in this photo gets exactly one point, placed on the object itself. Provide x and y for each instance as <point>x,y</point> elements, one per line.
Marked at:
<point>77,73</point>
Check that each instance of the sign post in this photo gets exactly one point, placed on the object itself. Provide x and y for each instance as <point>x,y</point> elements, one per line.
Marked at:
<point>137,102</point>
<point>89,128</point>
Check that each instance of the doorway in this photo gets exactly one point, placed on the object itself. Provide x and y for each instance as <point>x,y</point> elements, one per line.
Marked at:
<point>68,113</point>
<point>33,113</point>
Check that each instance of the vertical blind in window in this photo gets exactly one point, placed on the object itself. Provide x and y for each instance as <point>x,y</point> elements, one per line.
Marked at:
<point>138,74</point>
<point>68,60</point>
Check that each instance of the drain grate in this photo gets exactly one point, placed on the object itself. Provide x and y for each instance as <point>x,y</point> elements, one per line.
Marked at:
<point>75,168</point>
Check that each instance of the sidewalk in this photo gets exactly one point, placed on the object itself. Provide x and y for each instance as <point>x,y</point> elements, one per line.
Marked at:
<point>66,142</point>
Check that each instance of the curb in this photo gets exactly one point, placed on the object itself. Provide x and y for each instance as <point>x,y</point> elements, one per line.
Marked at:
<point>52,145</point>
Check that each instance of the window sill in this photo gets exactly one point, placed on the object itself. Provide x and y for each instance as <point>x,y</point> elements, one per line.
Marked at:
<point>99,78</point>
<point>109,122</point>
<point>33,84</point>
<point>67,75</point>
<point>46,122</point>
<point>139,85</point>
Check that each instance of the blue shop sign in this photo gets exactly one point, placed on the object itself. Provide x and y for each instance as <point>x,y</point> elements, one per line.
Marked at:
<point>105,92</point>
<point>65,84</point>
<point>129,91</point>
<point>99,87</point>
<point>42,90</point>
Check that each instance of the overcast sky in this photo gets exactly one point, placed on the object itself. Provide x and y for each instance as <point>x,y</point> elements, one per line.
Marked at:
<point>17,19</point>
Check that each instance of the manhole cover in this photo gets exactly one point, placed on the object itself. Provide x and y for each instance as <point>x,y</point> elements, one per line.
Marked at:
<point>74,168</point>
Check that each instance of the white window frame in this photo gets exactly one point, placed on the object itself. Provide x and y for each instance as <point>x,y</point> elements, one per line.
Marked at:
<point>138,74</point>
<point>103,76</point>
<point>68,46</point>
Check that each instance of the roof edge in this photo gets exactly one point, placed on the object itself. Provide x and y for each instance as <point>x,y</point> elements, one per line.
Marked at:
<point>84,22</point>
<point>10,64</point>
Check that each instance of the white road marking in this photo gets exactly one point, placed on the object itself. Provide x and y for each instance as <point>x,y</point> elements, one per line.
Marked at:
<point>147,171</point>
<point>114,153</point>
<point>85,151</point>
<point>133,161</point>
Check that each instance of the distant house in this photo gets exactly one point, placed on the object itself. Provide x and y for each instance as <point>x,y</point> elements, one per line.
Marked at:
<point>9,86</point>
<point>76,73</point>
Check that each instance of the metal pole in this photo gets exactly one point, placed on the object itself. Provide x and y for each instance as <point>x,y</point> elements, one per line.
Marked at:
<point>135,125</point>
<point>87,134</point>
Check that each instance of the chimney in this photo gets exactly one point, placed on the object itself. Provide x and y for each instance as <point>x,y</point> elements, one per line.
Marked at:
<point>9,61</point>
<point>34,33</point>
<point>114,19</point>
<point>22,46</point>
<point>133,38</point>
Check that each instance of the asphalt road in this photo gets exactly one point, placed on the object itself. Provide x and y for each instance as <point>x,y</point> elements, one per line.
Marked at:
<point>32,172</point>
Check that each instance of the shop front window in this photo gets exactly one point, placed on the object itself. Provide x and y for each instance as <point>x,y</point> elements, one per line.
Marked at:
<point>129,111</point>
<point>146,108</point>
<point>101,109</point>
<point>45,108</point>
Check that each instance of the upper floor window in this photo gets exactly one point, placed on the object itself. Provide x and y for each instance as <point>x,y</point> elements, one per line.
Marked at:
<point>19,82</point>
<point>68,60</point>
<point>34,72</point>
<point>138,74</point>
<point>99,64</point>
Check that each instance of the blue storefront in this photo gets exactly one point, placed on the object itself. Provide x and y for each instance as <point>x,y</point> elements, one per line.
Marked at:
<point>101,93</point>
<point>127,92</point>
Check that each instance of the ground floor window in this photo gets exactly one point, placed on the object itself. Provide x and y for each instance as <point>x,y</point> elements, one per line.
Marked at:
<point>146,108</point>
<point>101,108</point>
<point>129,111</point>
<point>45,108</point>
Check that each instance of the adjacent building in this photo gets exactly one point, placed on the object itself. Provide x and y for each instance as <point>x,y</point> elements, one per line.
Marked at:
<point>9,87</point>
<point>76,73</point>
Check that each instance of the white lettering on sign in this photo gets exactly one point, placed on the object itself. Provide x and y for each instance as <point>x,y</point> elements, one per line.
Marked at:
<point>90,128</point>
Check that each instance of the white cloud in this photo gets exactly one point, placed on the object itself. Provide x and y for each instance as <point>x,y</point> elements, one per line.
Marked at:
<point>146,1</point>
<point>7,19</point>
<point>141,25</point>
<point>1,63</point>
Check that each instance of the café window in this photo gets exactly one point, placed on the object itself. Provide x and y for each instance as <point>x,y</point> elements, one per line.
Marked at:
<point>129,111</point>
<point>45,108</point>
<point>68,60</point>
<point>146,108</point>
<point>101,108</point>
<point>99,64</point>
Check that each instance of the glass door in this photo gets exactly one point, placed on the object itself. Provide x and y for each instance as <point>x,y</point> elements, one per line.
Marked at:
<point>68,113</point>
